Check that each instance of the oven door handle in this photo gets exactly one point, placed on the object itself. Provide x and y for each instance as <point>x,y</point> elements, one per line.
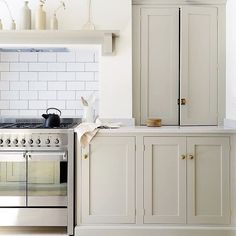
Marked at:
<point>12,156</point>
<point>47,156</point>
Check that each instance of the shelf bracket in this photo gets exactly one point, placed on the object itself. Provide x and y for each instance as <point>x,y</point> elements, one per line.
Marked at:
<point>108,46</point>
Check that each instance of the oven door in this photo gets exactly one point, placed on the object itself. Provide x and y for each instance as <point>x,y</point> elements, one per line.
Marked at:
<point>12,179</point>
<point>47,179</point>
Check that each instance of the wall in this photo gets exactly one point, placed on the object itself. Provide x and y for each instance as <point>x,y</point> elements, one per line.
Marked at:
<point>116,71</point>
<point>31,82</point>
<point>231,60</point>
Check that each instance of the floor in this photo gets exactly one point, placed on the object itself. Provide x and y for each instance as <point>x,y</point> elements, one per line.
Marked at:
<point>33,231</point>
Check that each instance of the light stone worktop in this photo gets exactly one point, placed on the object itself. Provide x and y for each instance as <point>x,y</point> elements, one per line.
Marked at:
<point>171,130</point>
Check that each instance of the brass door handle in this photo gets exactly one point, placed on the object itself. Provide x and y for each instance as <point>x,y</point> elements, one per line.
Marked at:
<point>190,157</point>
<point>86,156</point>
<point>183,157</point>
<point>183,101</point>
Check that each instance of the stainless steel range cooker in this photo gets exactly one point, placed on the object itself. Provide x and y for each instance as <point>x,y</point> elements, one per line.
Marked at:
<point>37,174</point>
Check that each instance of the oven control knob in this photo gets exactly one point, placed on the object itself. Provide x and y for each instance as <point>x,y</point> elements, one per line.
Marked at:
<point>1,141</point>
<point>56,141</point>
<point>47,141</point>
<point>38,141</point>
<point>30,141</point>
<point>8,141</point>
<point>23,141</point>
<point>15,141</point>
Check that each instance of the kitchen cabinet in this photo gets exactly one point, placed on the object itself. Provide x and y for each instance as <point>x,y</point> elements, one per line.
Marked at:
<point>108,181</point>
<point>178,64</point>
<point>164,180</point>
<point>186,174</point>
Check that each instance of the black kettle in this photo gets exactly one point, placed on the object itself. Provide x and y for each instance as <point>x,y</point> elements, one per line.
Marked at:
<point>51,119</point>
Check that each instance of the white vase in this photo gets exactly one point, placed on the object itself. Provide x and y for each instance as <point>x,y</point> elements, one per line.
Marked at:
<point>54,22</point>
<point>13,25</point>
<point>88,114</point>
<point>40,18</point>
<point>1,24</point>
<point>25,17</point>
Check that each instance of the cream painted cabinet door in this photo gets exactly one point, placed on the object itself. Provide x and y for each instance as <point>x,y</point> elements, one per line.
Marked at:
<point>165,180</point>
<point>208,180</point>
<point>199,70</point>
<point>108,181</point>
<point>160,64</point>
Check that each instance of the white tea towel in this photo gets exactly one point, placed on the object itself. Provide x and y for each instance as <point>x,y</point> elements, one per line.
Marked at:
<point>86,132</point>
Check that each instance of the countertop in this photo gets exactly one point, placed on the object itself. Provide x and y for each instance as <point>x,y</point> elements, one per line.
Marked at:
<point>171,130</point>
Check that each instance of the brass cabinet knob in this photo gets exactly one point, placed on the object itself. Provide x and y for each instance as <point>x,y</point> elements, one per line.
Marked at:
<point>183,101</point>
<point>183,157</point>
<point>86,156</point>
<point>191,157</point>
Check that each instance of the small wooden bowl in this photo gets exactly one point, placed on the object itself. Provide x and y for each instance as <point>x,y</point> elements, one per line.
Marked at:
<point>153,122</point>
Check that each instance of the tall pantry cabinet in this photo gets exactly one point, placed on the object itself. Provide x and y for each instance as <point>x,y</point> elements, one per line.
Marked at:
<point>179,56</point>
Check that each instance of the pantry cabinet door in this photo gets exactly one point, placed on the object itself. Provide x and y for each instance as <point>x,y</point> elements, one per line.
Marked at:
<point>108,181</point>
<point>165,180</point>
<point>208,180</point>
<point>199,71</point>
<point>160,64</point>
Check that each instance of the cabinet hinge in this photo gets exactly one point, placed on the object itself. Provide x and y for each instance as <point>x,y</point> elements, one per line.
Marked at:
<point>143,148</point>
<point>135,147</point>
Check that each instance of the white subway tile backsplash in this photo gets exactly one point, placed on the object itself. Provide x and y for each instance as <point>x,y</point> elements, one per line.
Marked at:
<point>66,95</point>
<point>28,95</point>
<point>18,105</point>
<point>57,66</point>
<point>65,76</point>
<point>66,57</point>
<point>47,57</point>
<point>74,104</point>
<point>10,95</point>
<point>47,76</point>
<point>85,56</point>
<point>75,66</point>
<point>75,85</point>
<point>4,85</point>
<point>68,113</point>
<point>56,85</point>
<point>4,105</point>
<point>28,57</point>
<point>92,67</point>
<point>57,104</point>
<point>48,95</point>
<point>28,113</point>
<point>18,86</point>
<point>4,66</point>
<point>37,86</point>
<point>38,67</point>
<point>9,76</point>
<point>16,66</point>
<point>92,86</point>
<point>85,76</point>
<point>84,94</point>
<point>30,82</point>
<point>38,104</point>
<point>28,76</point>
<point>10,113</point>
<point>9,56</point>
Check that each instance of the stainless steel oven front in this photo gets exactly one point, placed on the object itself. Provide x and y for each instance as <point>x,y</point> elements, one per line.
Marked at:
<point>37,179</point>
<point>33,178</point>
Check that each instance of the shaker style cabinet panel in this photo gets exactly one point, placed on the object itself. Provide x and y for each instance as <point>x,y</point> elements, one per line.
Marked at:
<point>165,180</point>
<point>176,56</point>
<point>208,180</point>
<point>199,69</point>
<point>108,181</point>
<point>186,180</point>
<point>160,64</point>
